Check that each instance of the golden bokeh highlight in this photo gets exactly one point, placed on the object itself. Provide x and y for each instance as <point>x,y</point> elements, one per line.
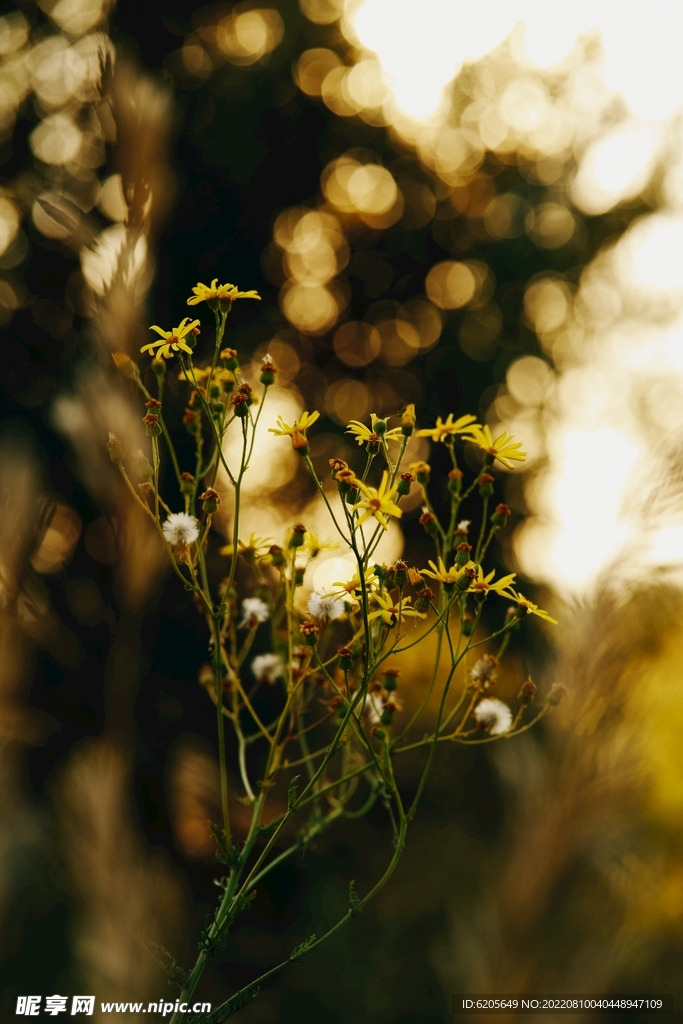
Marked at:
<point>347,399</point>
<point>357,343</point>
<point>245,36</point>
<point>365,189</point>
<point>550,225</point>
<point>313,67</point>
<point>451,284</point>
<point>547,305</point>
<point>322,12</point>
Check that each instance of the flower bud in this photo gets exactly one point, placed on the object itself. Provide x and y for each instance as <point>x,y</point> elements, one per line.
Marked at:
<point>557,692</point>
<point>299,573</point>
<point>500,516</point>
<point>387,716</point>
<point>378,731</point>
<point>240,404</point>
<point>345,656</point>
<point>186,483</point>
<point>267,371</point>
<point>455,481</point>
<point>300,443</point>
<point>527,692</point>
<point>400,574</point>
<point>380,427</point>
<point>336,466</point>
<point>390,679</point>
<point>408,420</point>
<point>422,471</point>
<point>142,467</point>
<point>211,500</point>
<point>486,482</point>
<point>151,421</point>
<point>115,449</point>
<point>404,482</point>
<point>423,599</point>
<point>159,367</point>
<point>462,553</point>
<point>229,357</point>
<point>125,364</point>
<point>309,631</point>
<point>277,557</point>
<point>297,537</point>
<point>428,522</point>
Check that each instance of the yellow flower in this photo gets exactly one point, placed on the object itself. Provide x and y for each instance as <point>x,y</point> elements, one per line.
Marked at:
<point>256,548</point>
<point>502,448</point>
<point>222,292</point>
<point>365,435</point>
<point>172,341</point>
<point>379,502</point>
<point>531,608</point>
<point>389,610</point>
<point>482,584</point>
<point>313,545</point>
<point>444,575</point>
<point>353,588</point>
<point>449,428</point>
<point>300,425</point>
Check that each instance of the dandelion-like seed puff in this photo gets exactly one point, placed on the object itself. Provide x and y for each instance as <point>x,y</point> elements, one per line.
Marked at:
<point>180,529</point>
<point>493,716</point>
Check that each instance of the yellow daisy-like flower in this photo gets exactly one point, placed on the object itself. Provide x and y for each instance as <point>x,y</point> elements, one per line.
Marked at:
<point>502,448</point>
<point>312,545</point>
<point>389,610</point>
<point>531,608</point>
<point>365,435</point>
<point>255,547</point>
<point>299,427</point>
<point>443,575</point>
<point>483,584</point>
<point>352,587</point>
<point>173,341</point>
<point>222,292</point>
<point>379,502</point>
<point>449,427</point>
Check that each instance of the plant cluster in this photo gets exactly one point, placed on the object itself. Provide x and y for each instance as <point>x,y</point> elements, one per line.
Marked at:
<point>314,716</point>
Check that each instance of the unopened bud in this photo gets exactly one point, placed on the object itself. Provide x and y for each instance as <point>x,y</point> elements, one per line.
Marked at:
<point>422,471</point>
<point>462,553</point>
<point>229,357</point>
<point>486,482</point>
<point>423,599</point>
<point>400,574</point>
<point>125,364</point>
<point>455,481</point>
<point>297,538</point>
<point>336,465</point>
<point>404,482</point>
<point>408,420</point>
<point>186,483</point>
<point>309,631</point>
<point>501,515</point>
<point>277,556</point>
<point>151,421</point>
<point>211,500</point>
<point>240,404</point>
<point>467,624</point>
<point>557,692</point>
<point>267,371</point>
<point>345,656</point>
<point>527,692</point>
<point>115,449</point>
<point>390,679</point>
<point>428,522</point>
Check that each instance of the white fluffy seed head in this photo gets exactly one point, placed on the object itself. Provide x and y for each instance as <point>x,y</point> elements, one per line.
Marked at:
<point>268,668</point>
<point>325,608</point>
<point>493,716</point>
<point>180,529</point>
<point>254,611</point>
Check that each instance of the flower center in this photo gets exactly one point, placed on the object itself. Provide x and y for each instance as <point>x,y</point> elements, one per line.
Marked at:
<point>375,503</point>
